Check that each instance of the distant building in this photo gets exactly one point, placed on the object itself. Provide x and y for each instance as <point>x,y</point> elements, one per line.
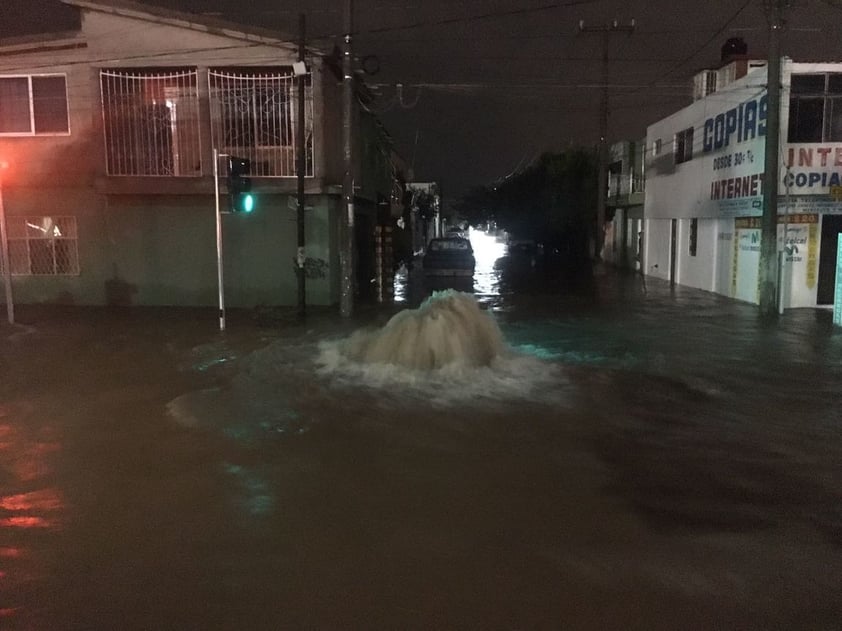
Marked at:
<point>425,207</point>
<point>704,182</point>
<point>109,132</point>
<point>624,204</point>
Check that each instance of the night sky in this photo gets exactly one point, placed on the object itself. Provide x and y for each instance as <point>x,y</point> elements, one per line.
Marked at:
<point>503,80</point>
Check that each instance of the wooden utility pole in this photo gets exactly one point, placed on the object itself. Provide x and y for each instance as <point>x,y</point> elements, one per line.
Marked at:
<point>301,166</point>
<point>346,248</point>
<point>768,281</point>
<point>602,177</point>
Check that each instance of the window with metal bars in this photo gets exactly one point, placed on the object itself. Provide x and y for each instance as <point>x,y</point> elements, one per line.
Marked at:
<point>43,246</point>
<point>151,122</point>
<point>253,115</point>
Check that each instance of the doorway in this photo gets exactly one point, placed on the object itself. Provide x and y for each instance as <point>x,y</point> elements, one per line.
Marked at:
<point>831,228</point>
<point>673,248</point>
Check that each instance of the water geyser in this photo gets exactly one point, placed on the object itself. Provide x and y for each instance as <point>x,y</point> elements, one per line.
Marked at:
<point>449,328</point>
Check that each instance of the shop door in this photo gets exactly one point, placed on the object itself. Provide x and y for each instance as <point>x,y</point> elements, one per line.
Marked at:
<point>673,249</point>
<point>831,227</point>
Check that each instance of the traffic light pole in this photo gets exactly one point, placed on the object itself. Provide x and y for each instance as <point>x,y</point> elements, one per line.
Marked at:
<point>7,266</point>
<point>218,240</point>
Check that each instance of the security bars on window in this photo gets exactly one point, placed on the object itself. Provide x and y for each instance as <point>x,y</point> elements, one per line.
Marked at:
<point>151,122</point>
<point>253,115</point>
<point>43,246</point>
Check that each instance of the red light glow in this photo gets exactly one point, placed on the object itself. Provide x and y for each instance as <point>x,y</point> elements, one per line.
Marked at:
<point>24,522</point>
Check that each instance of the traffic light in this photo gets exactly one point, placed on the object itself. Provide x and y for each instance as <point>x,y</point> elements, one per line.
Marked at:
<point>239,185</point>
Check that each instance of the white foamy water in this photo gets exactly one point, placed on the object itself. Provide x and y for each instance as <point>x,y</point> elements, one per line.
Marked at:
<point>448,352</point>
<point>448,329</point>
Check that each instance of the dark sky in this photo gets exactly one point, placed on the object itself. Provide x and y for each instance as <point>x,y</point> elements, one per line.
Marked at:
<point>503,80</point>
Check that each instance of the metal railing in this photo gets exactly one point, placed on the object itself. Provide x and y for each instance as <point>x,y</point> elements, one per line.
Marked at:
<point>43,246</point>
<point>151,122</point>
<point>253,116</point>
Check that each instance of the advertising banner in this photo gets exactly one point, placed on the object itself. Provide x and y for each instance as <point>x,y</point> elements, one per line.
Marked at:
<point>813,169</point>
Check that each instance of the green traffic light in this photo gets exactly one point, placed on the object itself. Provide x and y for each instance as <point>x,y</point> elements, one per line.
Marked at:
<point>248,203</point>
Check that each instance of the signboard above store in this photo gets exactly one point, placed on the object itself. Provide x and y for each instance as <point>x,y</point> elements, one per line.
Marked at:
<point>813,169</point>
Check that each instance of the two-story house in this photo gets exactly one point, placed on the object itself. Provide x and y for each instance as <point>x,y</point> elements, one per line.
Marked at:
<point>624,202</point>
<point>704,182</point>
<point>109,133</point>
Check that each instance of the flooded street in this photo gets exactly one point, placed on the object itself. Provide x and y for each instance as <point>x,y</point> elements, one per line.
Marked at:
<point>633,459</point>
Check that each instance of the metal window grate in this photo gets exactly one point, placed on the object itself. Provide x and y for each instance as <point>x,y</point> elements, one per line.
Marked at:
<point>43,246</point>
<point>151,122</point>
<point>253,115</point>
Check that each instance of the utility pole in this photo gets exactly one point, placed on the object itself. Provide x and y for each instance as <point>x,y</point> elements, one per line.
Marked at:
<point>301,166</point>
<point>346,248</point>
<point>602,176</point>
<point>768,281</point>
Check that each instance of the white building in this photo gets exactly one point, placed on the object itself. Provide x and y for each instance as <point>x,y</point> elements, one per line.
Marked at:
<point>704,183</point>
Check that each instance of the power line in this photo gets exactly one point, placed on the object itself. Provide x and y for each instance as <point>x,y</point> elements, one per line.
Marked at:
<point>532,58</point>
<point>468,18</point>
<point>707,42</point>
<point>501,84</point>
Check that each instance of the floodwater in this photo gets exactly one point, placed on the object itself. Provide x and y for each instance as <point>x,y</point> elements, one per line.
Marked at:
<point>629,460</point>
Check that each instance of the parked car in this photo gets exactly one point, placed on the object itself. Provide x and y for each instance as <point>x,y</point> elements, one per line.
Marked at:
<point>449,256</point>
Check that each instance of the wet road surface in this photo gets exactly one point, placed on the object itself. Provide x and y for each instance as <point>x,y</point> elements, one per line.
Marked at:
<point>657,460</point>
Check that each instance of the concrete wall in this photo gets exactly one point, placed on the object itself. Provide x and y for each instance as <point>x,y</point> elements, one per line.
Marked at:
<point>132,251</point>
<point>696,271</point>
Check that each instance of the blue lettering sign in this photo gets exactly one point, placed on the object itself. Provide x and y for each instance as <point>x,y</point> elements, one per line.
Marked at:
<point>743,122</point>
<point>707,135</point>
